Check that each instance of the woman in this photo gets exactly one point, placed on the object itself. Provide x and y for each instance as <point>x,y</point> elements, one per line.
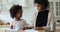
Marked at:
<point>43,17</point>
<point>16,14</point>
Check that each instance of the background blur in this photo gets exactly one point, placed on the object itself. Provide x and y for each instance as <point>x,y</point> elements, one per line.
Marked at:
<point>28,9</point>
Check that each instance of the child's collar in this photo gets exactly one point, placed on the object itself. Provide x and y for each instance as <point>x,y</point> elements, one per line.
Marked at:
<point>15,19</point>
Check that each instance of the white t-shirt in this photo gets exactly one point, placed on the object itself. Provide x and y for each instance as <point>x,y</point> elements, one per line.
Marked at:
<point>19,24</point>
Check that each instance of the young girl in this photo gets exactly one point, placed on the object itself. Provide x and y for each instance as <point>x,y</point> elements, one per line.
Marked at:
<point>16,14</point>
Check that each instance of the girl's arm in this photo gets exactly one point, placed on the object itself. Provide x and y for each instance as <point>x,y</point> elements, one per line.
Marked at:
<point>11,26</point>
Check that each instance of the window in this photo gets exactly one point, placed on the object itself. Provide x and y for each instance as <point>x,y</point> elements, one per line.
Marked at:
<point>51,6</point>
<point>58,8</point>
<point>55,6</point>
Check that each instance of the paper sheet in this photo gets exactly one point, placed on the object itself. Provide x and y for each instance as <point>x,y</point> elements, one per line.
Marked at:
<point>30,30</point>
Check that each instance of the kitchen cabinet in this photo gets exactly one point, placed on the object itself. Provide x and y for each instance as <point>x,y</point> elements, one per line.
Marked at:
<point>55,7</point>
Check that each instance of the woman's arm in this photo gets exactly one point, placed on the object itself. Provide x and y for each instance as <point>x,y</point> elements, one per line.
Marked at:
<point>34,18</point>
<point>50,20</point>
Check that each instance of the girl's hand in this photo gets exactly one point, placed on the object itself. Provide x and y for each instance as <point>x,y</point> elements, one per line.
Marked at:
<point>11,26</point>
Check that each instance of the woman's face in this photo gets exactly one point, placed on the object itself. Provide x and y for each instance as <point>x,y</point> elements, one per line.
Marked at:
<point>19,14</point>
<point>39,7</point>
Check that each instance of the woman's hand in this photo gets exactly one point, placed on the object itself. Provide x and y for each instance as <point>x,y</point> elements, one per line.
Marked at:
<point>27,28</point>
<point>39,28</point>
<point>11,26</point>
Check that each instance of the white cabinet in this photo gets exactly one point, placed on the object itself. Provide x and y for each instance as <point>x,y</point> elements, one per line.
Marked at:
<point>55,7</point>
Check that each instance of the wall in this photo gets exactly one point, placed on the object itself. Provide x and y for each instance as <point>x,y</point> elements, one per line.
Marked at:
<point>27,13</point>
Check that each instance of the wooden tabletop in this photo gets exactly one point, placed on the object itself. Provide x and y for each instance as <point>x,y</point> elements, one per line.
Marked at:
<point>37,30</point>
<point>3,30</point>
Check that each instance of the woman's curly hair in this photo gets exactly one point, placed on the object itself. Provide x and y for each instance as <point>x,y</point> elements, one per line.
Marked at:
<point>45,3</point>
<point>14,9</point>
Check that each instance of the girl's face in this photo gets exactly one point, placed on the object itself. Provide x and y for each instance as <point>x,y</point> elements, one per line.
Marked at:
<point>39,7</point>
<point>19,14</point>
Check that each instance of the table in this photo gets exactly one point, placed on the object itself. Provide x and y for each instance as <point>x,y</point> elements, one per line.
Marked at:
<point>40,29</point>
<point>36,30</point>
<point>3,29</point>
<point>8,30</point>
<point>58,30</point>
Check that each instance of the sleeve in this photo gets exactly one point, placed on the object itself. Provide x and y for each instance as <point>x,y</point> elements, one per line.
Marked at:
<point>32,22</point>
<point>11,22</point>
<point>50,20</point>
<point>34,18</point>
<point>25,23</point>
